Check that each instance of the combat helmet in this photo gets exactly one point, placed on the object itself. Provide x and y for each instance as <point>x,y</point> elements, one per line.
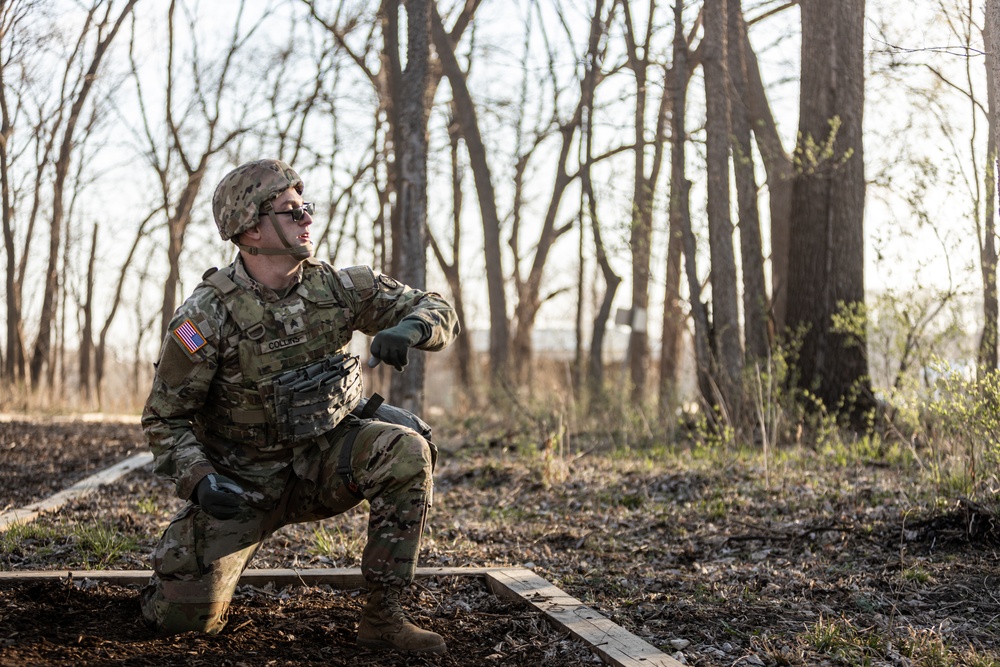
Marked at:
<point>247,191</point>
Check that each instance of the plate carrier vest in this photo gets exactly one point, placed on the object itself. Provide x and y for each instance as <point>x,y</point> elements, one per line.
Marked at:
<point>294,386</point>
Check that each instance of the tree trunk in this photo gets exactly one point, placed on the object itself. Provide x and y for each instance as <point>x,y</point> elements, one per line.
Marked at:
<point>595,364</point>
<point>988,249</point>
<point>778,167</point>
<point>177,226</point>
<point>725,302</point>
<point>410,246</point>
<point>115,304</point>
<point>826,259</point>
<point>641,229</point>
<point>466,116</point>
<point>755,301</point>
<point>13,362</point>
<point>595,361</point>
<point>87,335</point>
<point>673,315</point>
<point>680,208</point>
<point>451,271</point>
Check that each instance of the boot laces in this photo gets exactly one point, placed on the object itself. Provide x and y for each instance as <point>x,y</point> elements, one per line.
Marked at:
<point>392,604</point>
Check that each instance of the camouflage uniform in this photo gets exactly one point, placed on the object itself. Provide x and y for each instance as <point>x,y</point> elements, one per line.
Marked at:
<point>210,411</point>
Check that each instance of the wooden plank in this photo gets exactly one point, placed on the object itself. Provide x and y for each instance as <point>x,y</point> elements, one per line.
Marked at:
<point>338,577</point>
<point>615,645</point>
<point>31,512</point>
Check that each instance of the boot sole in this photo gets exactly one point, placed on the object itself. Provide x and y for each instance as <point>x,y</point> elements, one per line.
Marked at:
<point>375,643</point>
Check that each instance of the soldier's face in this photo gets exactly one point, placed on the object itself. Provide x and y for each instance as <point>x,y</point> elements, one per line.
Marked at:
<point>295,231</point>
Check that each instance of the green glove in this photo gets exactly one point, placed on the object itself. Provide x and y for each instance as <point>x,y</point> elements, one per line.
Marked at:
<point>393,345</point>
<point>219,496</point>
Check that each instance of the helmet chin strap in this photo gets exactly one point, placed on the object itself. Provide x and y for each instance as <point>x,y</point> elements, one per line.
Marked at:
<point>299,252</point>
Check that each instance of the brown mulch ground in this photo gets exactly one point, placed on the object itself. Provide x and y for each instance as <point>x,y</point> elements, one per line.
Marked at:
<point>45,457</point>
<point>710,558</point>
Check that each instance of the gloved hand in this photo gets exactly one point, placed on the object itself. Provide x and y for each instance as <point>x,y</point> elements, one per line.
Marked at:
<point>393,344</point>
<point>219,496</point>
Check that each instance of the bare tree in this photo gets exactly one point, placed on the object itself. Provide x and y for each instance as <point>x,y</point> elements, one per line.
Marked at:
<point>104,26</point>
<point>645,179</point>
<point>595,58</point>
<point>987,236</point>
<point>778,168</point>
<point>565,130</point>
<point>680,209</point>
<point>212,98</point>
<point>393,96</point>
<point>410,241</point>
<point>680,242</point>
<point>463,344</point>
<point>725,300</point>
<point>755,300</point>
<point>101,348</point>
<point>13,14</point>
<point>465,114</point>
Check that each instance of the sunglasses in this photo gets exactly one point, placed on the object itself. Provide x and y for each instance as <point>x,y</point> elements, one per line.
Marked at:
<point>299,212</point>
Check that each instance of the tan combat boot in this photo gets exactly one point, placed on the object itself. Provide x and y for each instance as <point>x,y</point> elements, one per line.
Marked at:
<point>384,625</point>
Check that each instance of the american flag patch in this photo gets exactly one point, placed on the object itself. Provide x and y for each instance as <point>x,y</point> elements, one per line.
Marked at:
<point>189,336</point>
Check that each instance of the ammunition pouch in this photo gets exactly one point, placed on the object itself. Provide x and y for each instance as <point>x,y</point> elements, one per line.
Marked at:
<point>311,400</point>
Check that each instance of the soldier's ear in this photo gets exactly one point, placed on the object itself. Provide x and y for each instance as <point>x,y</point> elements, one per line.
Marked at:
<point>252,233</point>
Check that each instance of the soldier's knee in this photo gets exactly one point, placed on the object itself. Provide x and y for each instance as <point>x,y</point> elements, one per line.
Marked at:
<point>170,617</point>
<point>412,457</point>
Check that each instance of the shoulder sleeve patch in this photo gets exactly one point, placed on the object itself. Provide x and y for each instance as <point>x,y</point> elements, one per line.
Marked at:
<point>188,335</point>
<point>360,278</point>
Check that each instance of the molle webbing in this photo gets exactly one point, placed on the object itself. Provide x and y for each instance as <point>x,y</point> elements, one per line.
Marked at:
<point>249,315</point>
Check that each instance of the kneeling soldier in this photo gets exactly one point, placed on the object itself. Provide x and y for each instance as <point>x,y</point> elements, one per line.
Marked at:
<point>253,414</point>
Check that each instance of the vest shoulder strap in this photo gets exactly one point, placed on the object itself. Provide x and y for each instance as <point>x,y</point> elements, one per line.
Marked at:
<point>242,306</point>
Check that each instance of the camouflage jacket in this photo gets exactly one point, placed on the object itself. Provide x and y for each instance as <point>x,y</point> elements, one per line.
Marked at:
<point>201,351</point>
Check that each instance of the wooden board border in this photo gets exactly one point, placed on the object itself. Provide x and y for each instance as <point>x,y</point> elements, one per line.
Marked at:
<point>612,643</point>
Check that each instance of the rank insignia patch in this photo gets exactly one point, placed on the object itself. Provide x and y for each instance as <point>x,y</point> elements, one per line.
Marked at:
<point>189,336</point>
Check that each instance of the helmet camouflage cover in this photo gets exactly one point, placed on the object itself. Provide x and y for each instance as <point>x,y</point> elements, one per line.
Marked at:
<point>241,193</point>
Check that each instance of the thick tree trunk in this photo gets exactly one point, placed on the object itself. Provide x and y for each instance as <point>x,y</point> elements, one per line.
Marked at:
<point>826,261</point>
<point>410,245</point>
<point>725,300</point>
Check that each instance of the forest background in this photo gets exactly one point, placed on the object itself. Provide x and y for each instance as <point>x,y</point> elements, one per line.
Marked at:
<point>787,208</point>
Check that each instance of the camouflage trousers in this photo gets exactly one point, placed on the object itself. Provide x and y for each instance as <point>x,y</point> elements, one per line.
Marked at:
<point>199,559</point>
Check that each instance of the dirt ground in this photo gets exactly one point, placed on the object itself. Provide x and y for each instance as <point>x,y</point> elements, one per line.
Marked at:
<point>815,560</point>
